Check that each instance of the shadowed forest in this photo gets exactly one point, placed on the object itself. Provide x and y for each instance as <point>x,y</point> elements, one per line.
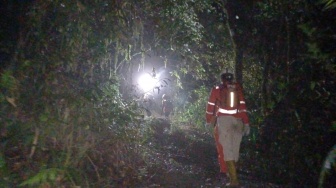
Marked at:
<point>75,110</point>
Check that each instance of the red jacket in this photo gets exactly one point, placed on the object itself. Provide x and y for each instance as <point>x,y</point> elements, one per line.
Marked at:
<point>216,104</point>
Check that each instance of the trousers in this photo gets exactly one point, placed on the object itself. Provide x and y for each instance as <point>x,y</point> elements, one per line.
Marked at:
<point>229,132</point>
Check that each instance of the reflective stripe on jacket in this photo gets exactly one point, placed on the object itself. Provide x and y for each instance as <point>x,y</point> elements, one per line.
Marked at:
<point>216,104</point>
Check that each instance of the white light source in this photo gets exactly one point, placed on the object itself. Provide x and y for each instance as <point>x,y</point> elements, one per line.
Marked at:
<point>147,82</point>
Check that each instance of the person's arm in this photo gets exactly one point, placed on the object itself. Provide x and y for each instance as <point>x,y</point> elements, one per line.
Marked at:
<point>243,111</point>
<point>211,107</point>
<point>242,105</point>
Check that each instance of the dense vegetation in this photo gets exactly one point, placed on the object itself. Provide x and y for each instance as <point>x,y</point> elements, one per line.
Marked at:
<point>72,111</point>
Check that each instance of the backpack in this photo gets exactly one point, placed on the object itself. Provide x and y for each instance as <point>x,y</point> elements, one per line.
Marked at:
<point>229,94</point>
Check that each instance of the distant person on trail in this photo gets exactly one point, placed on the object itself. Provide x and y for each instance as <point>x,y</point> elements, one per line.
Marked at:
<point>226,110</point>
<point>148,101</point>
<point>167,106</point>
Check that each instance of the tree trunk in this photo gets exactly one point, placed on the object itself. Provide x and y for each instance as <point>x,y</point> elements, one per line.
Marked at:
<point>238,16</point>
<point>239,64</point>
<point>264,93</point>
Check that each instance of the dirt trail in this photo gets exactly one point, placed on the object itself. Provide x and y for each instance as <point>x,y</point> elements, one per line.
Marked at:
<point>186,157</point>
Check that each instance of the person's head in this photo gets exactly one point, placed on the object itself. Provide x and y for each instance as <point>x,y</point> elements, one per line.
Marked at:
<point>227,77</point>
<point>165,96</point>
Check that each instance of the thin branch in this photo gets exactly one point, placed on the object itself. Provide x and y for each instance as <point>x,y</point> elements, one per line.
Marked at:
<point>33,148</point>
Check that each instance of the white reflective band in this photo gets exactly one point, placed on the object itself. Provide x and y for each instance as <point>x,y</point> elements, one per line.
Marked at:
<point>217,87</point>
<point>242,110</point>
<point>231,99</point>
<point>242,102</point>
<point>211,103</point>
<point>227,111</point>
<point>209,112</point>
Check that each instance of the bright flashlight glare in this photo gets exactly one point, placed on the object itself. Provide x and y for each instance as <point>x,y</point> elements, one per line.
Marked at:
<point>147,82</point>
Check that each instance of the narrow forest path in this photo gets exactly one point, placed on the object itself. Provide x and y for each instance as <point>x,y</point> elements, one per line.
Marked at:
<point>186,157</point>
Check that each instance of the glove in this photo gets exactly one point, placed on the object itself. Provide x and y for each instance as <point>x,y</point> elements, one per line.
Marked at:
<point>246,130</point>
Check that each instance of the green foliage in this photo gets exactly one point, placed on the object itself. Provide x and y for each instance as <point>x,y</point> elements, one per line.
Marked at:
<point>50,177</point>
<point>71,102</point>
<point>2,161</point>
<point>9,87</point>
<point>73,105</point>
<point>3,166</point>
<point>193,109</point>
<point>328,4</point>
<point>288,87</point>
<point>328,166</point>
<point>7,80</point>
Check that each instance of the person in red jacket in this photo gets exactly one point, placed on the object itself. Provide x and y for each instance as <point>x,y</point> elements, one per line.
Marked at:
<point>226,110</point>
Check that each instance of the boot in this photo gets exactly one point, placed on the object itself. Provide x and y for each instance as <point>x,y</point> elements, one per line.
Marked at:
<point>232,174</point>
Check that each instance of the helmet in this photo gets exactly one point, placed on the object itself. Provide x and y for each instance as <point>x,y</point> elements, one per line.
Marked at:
<point>227,76</point>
